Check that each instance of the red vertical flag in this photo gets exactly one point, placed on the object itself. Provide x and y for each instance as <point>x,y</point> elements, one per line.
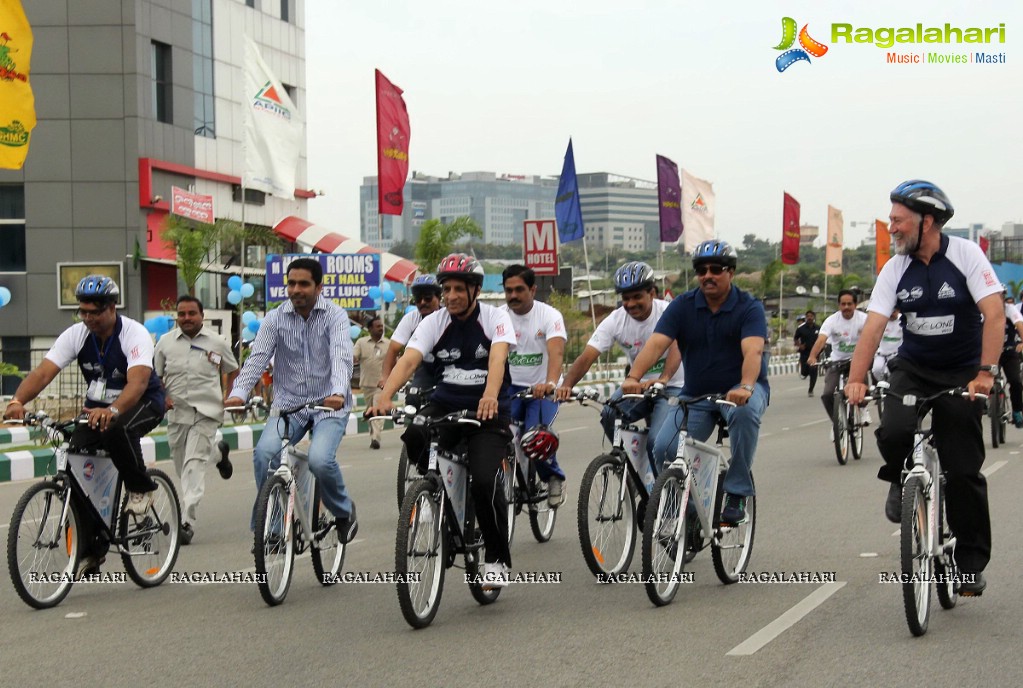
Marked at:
<point>790,230</point>
<point>984,242</point>
<point>883,241</point>
<point>392,146</point>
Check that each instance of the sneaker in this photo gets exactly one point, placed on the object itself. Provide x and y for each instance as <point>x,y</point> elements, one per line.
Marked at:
<point>975,588</point>
<point>865,417</point>
<point>224,465</point>
<point>374,444</point>
<point>139,502</point>
<point>734,510</point>
<point>88,566</point>
<point>810,393</point>
<point>831,433</point>
<point>495,575</point>
<point>1017,419</point>
<point>556,491</point>
<point>893,504</point>
<point>186,534</point>
<point>347,527</point>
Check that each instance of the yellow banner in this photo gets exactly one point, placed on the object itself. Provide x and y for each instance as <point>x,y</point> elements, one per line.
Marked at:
<point>17,106</point>
<point>833,253</point>
<point>883,242</point>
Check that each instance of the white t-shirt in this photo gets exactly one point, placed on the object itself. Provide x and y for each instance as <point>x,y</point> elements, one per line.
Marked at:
<point>528,358</point>
<point>631,335</point>
<point>891,339</point>
<point>843,334</point>
<point>406,326</point>
<point>463,368</point>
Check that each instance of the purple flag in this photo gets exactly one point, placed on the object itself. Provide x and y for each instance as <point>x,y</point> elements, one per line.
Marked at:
<point>669,200</point>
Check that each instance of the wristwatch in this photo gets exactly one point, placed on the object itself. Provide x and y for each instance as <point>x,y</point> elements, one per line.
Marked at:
<point>748,388</point>
<point>993,369</point>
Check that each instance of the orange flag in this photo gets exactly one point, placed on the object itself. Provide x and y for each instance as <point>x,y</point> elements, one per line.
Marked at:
<point>883,241</point>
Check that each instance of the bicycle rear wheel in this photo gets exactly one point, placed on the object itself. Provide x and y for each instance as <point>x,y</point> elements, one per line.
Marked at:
<point>994,412</point>
<point>732,545</point>
<point>419,555</point>
<point>664,531</point>
<point>1003,418</point>
<point>607,522</point>
<point>541,514</point>
<point>275,541</point>
<point>915,557</point>
<point>507,477</point>
<point>855,424</point>
<point>945,568</point>
<point>840,429</point>
<point>41,549</point>
<point>151,542</point>
<point>326,551</point>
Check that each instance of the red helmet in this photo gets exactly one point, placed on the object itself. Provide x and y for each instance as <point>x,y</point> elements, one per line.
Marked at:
<point>460,266</point>
<point>540,443</point>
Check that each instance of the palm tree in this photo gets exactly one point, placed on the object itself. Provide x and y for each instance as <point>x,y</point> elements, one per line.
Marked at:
<point>437,239</point>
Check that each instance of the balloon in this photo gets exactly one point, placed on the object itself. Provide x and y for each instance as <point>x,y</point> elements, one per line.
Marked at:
<point>234,282</point>
<point>234,297</point>
<point>249,316</point>
<point>253,326</point>
<point>248,290</point>
<point>248,335</point>
<point>389,296</point>
<point>168,323</point>
<point>151,325</point>
<point>386,287</point>
<point>355,331</point>
<point>409,309</point>
<point>5,296</point>
<point>374,293</point>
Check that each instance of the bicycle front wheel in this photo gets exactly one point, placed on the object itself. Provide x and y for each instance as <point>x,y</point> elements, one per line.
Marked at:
<point>41,547</point>
<point>1003,417</point>
<point>664,531</point>
<point>855,424</point>
<point>840,429</point>
<point>915,557</point>
<point>507,477</point>
<point>419,554</point>
<point>275,541</point>
<point>732,545</point>
<point>151,542</point>
<point>994,412</point>
<point>541,514</point>
<point>607,521</point>
<point>327,552</point>
<point>407,474</point>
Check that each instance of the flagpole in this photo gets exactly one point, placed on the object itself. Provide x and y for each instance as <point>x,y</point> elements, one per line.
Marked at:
<point>781,312</point>
<point>589,282</point>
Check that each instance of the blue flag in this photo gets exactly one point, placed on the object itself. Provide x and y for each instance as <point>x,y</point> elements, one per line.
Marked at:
<point>566,206</point>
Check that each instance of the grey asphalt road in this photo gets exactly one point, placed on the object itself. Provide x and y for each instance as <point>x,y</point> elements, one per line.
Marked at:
<point>813,516</point>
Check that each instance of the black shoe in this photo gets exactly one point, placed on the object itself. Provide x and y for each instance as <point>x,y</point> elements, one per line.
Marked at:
<point>186,534</point>
<point>347,527</point>
<point>974,588</point>
<point>88,566</point>
<point>224,465</point>
<point>374,444</point>
<point>734,510</point>
<point>893,504</point>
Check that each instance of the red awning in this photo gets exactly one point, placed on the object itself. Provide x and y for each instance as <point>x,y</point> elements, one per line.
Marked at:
<point>395,268</point>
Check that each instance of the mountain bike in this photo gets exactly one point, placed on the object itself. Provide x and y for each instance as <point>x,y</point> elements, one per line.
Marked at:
<point>613,493</point>
<point>290,518</point>
<point>437,523</point>
<point>682,517</point>
<point>416,398</point>
<point>846,421</point>
<point>44,541</point>
<point>927,551</point>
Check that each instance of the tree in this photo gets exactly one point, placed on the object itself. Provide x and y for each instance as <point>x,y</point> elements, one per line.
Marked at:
<point>437,240</point>
<point>199,245</point>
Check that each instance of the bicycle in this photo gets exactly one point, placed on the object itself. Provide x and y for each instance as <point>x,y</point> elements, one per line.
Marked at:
<point>846,421</point>
<point>291,518</point>
<point>999,411</point>
<point>416,398</point>
<point>692,485</point>
<point>927,545</point>
<point>437,523</point>
<point>613,493</point>
<point>43,544</point>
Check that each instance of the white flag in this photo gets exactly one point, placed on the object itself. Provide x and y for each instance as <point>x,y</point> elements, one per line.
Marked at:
<point>697,210</point>
<point>273,129</point>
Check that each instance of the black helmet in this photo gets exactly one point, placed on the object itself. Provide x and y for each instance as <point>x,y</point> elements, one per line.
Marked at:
<point>715,251</point>
<point>924,198</point>
<point>632,276</point>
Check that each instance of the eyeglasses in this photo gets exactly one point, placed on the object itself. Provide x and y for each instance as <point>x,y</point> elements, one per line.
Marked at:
<point>424,297</point>
<point>90,312</point>
<point>702,270</point>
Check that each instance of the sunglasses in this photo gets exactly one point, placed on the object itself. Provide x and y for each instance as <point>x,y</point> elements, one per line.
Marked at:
<point>89,312</point>
<point>424,298</point>
<point>702,270</point>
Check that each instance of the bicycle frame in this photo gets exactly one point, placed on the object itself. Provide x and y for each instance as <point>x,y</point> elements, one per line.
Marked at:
<point>703,465</point>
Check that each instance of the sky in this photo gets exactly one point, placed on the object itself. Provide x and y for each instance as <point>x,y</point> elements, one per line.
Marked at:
<point>502,86</point>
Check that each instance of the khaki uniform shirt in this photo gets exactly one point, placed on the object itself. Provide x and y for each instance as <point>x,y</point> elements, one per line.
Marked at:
<point>190,369</point>
<point>370,356</point>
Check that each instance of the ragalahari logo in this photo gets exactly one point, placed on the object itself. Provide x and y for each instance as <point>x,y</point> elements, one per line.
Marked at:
<point>788,37</point>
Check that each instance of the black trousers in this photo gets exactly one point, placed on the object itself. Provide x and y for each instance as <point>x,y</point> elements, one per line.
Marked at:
<point>807,370</point>
<point>1010,365</point>
<point>488,447</point>
<point>959,438</point>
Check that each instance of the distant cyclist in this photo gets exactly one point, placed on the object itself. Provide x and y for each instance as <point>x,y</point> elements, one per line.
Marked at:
<point>805,337</point>
<point>891,340</point>
<point>1010,358</point>
<point>842,330</point>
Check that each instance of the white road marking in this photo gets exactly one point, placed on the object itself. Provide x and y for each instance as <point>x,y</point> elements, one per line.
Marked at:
<point>993,467</point>
<point>814,422</point>
<point>786,620</point>
<point>868,555</point>
<point>561,431</point>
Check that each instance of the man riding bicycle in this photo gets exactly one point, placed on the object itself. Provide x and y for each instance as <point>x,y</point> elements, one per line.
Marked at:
<point>535,363</point>
<point>630,326</point>
<point>891,340</point>
<point>721,332</point>
<point>124,399</point>
<point>842,330</point>
<point>308,338</point>
<point>1010,358</point>
<point>950,297</point>
<point>469,344</point>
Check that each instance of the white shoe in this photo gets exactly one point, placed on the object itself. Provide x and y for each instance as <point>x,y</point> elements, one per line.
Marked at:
<point>555,492</point>
<point>831,433</point>
<point>865,417</point>
<point>139,502</point>
<point>495,575</point>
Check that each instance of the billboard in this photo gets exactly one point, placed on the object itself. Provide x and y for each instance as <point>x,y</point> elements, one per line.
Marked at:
<point>347,278</point>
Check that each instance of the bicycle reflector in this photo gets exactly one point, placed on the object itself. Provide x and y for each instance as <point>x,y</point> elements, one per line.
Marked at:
<point>540,443</point>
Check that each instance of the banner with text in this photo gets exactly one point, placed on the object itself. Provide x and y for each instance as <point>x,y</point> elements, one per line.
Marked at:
<point>392,146</point>
<point>883,242</point>
<point>669,198</point>
<point>540,248</point>
<point>789,230</point>
<point>347,278</point>
<point>833,253</point>
<point>198,207</point>
<point>17,104</point>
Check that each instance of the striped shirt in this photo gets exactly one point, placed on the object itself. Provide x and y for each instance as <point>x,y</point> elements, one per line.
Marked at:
<point>312,357</point>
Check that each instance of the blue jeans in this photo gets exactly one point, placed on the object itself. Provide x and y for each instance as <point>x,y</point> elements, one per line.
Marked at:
<point>743,433</point>
<point>634,409</point>
<point>532,412</point>
<point>327,435</point>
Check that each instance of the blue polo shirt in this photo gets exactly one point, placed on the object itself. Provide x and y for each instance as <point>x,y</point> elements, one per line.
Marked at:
<point>711,343</point>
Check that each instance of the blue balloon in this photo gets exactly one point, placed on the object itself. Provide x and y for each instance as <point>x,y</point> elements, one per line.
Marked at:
<point>389,296</point>
<point>234,297</point>
<point>355,331</point>
<point>374,293</point>
<point>248,290</point>
<point>386,287</point>
<point>168,323</point>
<point>248,335</point>
<point>249,316</point>
<point>410,308</point>
<point>234,282</point>
<point>5,296</point>
<point>151,325</point>
<point>253,326</point>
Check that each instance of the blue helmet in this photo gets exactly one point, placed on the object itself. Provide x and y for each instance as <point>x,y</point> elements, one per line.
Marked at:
<point>632,276</point>
<point>97,288</point>
<point>715,251</point>
<point>425,283</point>
<point>924,198</point>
